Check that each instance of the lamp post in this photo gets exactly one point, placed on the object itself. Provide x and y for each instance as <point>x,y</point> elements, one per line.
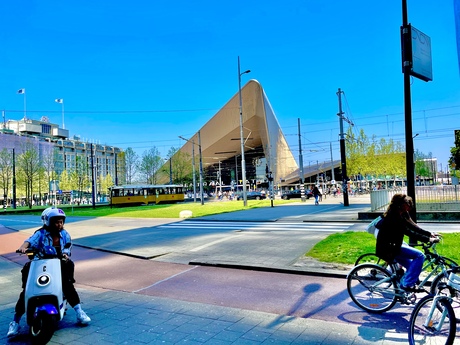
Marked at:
<point>193,167</point>
<point>243,163</point>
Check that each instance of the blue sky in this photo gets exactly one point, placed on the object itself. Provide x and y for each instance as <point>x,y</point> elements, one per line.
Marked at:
<point>140,73</point>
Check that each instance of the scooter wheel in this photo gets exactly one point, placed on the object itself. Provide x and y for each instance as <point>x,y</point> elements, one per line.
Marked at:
<point>42,328</point>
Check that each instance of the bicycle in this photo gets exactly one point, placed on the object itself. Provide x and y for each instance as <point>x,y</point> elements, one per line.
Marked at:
<point>433,319</point>
<point>438,264</point>
<point>376,287</point>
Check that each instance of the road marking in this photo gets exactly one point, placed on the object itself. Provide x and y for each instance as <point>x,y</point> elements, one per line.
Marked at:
<point>269,226</point>
<point>213,243</point>
<point>166,279</point>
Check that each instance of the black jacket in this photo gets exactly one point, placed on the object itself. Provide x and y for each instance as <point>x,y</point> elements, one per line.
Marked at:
<point>392,229</point>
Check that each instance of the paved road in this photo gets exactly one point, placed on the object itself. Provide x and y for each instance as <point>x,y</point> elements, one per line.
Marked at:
<point>134,301</point>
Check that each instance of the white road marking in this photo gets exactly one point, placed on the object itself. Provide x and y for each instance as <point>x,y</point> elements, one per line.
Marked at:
<point>213,243</point>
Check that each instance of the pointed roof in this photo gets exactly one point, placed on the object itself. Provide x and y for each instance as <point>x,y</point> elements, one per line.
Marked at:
<point>220,136</point>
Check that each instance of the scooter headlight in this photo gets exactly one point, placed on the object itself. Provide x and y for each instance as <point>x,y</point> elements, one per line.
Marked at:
<point>43,280</point>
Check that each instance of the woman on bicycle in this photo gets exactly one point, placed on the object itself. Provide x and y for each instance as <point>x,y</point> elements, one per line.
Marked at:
<point>390,245</point>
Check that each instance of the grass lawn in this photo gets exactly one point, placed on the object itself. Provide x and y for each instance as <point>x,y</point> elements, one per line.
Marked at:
<point>345,247</point>
<point>167,210</point>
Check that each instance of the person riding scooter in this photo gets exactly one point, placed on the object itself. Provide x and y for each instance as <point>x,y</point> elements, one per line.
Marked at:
<point>51,234</point>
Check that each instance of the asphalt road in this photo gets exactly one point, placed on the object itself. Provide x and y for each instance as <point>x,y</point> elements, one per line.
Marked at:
<point>168,258</point>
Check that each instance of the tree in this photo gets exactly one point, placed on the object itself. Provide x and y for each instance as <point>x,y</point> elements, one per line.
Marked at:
<point>48,159</point>
<point>106,182</point>
<point>371,157</point>
<point>454,160</point>
<point>424,165</point>
<point>79,176</point>
<point>131,165</point>
<point>6,170</point>
<point>150,163</point>
<point>29,165</point>
<point>180,165</point>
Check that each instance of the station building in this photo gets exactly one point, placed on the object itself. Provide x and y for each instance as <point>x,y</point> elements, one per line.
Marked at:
<point>265,147</point>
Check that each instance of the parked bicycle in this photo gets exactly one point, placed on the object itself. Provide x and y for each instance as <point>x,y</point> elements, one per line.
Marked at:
<point>433,320</point>
<point>375,287</point>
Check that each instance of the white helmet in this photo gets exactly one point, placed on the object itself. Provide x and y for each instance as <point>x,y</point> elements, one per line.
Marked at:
<point>45,212</point>
<point>53,213</point>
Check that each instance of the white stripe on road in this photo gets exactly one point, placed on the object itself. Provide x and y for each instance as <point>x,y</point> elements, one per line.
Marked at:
<point>213,243</point>
<point>161,281</point>
<point>258,226</point>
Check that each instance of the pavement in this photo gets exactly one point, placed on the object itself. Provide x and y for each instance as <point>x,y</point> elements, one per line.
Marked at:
<point>132,318</point>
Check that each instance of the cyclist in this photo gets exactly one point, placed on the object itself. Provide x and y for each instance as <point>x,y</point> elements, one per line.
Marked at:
<point>52,233</point>
<point>390,246</point>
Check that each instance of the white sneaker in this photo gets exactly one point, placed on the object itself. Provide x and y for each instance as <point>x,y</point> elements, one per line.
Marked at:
<point>82,317</point>
<point>13,329</point>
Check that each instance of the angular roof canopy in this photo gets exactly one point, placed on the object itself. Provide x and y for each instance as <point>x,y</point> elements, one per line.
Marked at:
<point>220,136</point>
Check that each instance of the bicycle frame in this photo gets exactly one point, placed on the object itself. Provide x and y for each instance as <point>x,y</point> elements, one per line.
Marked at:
<point>453,283</point>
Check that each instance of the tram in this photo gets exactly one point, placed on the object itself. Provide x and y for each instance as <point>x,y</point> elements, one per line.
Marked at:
<point>146,194</point>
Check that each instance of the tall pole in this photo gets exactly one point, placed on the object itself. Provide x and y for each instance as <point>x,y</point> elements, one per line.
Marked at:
<point>236,173</point>
<point>220,179</point>
<point>406,40</point>
<point>302,186</point>
<point>14,181</point>
<point>201,169</point>
<point>343,156</point>
<point>170,170</point>
<point>332,163</point>
<point>116,170</point>
<point>62,104</point>
<point>243,162</point>
<point>193,165</point>
<point>193,171</point>
<point>23,93</point>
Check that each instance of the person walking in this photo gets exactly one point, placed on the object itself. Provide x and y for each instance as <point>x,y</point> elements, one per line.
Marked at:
<point>316,194</point>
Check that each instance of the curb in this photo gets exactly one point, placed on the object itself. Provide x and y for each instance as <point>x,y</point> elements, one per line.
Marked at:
<point>311,272</point>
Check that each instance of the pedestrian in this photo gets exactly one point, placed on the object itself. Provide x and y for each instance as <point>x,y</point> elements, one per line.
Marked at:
<point>316,194</point>
<point>395,224</point>
<point>51,234</point>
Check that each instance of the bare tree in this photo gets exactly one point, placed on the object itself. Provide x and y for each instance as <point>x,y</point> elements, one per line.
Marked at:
<point>131,165</point>
<point>29,165</point>
<point>6,170</point>
<point>48,159</point>
<point>151,162</point>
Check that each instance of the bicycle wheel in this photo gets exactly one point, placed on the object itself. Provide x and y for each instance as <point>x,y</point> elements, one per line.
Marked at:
<point>371,288</point>
<point>435,326</point>
<point>370,258</point>
<point>441,281</point>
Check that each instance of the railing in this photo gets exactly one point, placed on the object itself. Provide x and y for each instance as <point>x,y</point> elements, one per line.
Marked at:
<point>428,198</point>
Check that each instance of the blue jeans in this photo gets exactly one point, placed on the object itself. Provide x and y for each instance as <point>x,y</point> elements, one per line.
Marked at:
<point>316,199</point>
<point>412,259</point>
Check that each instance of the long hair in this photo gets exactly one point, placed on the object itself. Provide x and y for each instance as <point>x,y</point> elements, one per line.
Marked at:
<point>397,202</point>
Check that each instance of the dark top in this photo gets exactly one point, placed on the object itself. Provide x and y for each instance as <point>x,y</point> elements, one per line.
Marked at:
<point>392,229</point>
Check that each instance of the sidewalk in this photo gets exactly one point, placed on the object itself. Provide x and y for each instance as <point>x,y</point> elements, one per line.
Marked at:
<point>129,318</point>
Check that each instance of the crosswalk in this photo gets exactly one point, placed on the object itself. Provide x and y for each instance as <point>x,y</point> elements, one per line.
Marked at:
<point>259,226</point>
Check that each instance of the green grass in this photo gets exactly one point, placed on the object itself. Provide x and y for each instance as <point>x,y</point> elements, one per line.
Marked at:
<point>344,248</point>
<point>167,210</point>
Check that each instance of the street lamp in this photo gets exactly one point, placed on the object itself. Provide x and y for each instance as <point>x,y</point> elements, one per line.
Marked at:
<point>193,167</point>
<point>243,163</point>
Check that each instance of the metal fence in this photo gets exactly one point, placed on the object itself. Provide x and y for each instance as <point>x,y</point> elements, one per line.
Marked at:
<point>428,198</point>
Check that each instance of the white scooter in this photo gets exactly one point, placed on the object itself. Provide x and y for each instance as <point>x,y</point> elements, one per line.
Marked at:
<point>44,299</point>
